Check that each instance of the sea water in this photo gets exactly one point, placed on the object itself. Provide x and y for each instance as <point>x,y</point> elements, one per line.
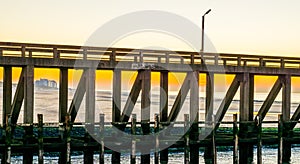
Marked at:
<point>269,156</point>
<point>46,102</point>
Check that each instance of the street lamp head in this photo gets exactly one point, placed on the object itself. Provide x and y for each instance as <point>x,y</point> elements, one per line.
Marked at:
<point>207,12</point>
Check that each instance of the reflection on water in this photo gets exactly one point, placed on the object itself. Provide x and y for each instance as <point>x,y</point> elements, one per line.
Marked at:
<point>224,157</point>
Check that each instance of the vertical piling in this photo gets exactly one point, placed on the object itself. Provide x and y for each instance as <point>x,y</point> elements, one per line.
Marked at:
<point>65,154</point>
<point>209,104</point>
<point>145,111</point>
<point>133,146</point>
<point>8,136</point>
<point>280,139</point>
<point>40,139</point>
<point>156,130</point>
<point>186,139</point>
<point>116,105</point>
<point>286,110</point>
<point>164,110</point>
<point>214,123</point>
<point>246,115</point>
<point>68,138</point>
<point>259,140</point>
<point>7,92</point>
<point>89,114</point>
<point>63,94</point>
<point>235,140</point>
<point>101,137</point>
<point>194,116</point>
<point>63,106</point>
<point>28,111</point>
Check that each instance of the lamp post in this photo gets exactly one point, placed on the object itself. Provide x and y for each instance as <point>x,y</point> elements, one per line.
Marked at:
<point>203,17</point>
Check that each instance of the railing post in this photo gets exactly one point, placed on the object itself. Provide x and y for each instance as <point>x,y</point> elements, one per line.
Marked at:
<point>239,61</point>
<point>261,62</point>
<point>159,59</point>
<point>23,51</point>
<point>181,60</point>
<point>224,62</point>
<point>141,57</point>
<point>1,52</point>
<point>55,53</point>
<point>167,58</point>
<point>282,65</point>
<point>192,58</point>
<point>216,59</point>
<point>84,54</point>
<point>30,54</point>
<point>112,57</point>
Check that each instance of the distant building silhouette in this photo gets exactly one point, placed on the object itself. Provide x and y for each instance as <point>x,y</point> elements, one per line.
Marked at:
<point>46,83</point>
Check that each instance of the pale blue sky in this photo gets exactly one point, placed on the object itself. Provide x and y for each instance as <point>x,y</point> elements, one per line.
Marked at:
<point>270,27</point>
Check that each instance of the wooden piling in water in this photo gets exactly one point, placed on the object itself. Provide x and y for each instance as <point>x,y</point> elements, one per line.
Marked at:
<point>156,130</point>
<point>145,111</point>
<point>8,136</point>
<point>133,133</point>
<point>40,139</point>
<point>235,140</point>
<point>213,139</point>
<point>64,156</point>
<point>280,139</point>
<point>68,137</point>
<point>186,139</point>
<point>259,140</point>
<point>28,153</point>
<point>101,136</point>
<point>116,156</point>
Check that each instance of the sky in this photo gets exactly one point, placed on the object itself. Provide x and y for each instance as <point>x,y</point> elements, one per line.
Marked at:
<point>269,27</point>
<point>251,26</point>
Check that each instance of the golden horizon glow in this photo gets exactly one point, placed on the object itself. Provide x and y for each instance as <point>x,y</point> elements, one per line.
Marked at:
<point>104,79</point>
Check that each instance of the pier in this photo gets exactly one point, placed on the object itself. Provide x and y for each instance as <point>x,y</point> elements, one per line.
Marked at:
<point>190,135</point>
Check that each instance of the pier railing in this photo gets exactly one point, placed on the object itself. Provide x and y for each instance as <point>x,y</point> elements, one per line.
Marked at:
<point>29,50</point>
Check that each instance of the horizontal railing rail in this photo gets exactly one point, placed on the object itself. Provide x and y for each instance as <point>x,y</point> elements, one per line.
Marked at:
<point>30,50</point>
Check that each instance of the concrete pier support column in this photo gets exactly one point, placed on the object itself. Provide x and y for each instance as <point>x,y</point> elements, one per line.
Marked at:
<point>286,110</point>
<point>194,116</point>
<point>145,113</point>
<point>28,110</point>
<point>209,105</point>
<point>246,114</point>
